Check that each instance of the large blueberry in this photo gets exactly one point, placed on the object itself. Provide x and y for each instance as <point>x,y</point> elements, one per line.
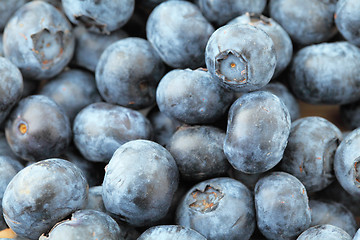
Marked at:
<point>128,72</point>
<point>221,11</point>
<point>282,206</point>
<point>179,32</point>
<point>99,16</point>
<point>218,208</point>
<point>85,224</point>
<point>42,194</point>
<point>198,152</point>
<point>347,163</point>
<point>306,21</point>
<point>257,132</point>
<point>347,20</point>
<point>38,129</point>
<point>192,96</point>
<point>282,42</point>
<point>72,90</point>
<point>334,213</point>
<point>90,46</point>
<point>241,57</point>
<point>165,232</point>
<point>140,182</point>
<point>38,39</point>
<point>309,154</point>
<point>324,232</point>
<point>100,128</point>
<point>11,87</point>
<point>326,73</point>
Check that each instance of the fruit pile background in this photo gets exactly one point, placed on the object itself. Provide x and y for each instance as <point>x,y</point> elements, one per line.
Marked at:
<point>180,119</point>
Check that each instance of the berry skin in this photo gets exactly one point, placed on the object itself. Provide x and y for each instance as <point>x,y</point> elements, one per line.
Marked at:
<point>282,206</point>
<point>102,16</point>
<point>38,39</point>
<point>241,57</point>
<point>218,208</point>
<point>128,73</point>
<point>38,129</point>
<point>42,194</point>
<point>192,96</point>
<point>326,73</point>
<point>140,181</point>
<point>257,132</point>
<point>179,32</point>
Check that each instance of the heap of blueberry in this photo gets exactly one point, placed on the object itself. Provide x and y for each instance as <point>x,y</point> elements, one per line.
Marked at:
<point>179,119</point>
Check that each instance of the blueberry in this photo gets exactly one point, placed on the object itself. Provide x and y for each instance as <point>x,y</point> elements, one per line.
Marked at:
<point>310,152</point>
<point>9,166</point>
<point>198,152</point>
<point>347,20</point>
<point>282,206</point>
<point>179,32</point>
<point>85,224</point>
<point>324,232</point>
<point>346,161</point>
<point>99,16</point>
<point>221,11</point>
<point>282,42</point>
<point>128,72</point>
<point>38,129</point>
<point>7,9</point>
<point>42,194</point>
<point>257,132</point>
<point>90,46</point>
<point>72,90</point>
<point>11,87</point>
<point>100,128</point>
<point>139,182</point>
<point>38,40</point>
<point>241,57</point>
<point>326,73</point>
<point>333,213</point>
<point>218,208</point>
<point>163,126</point>
<point>166,232</point>
<point>192,96</point>
<point>306,22</point>
<point>281,91</point>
